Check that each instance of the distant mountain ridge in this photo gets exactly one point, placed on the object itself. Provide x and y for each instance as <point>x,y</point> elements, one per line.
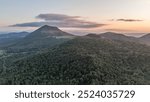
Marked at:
<point>117,36</point>
<point>47,31</point>
<point>14,35</point>
<point>49,35</point>
<point>6,39</point>
<point>44,37</point>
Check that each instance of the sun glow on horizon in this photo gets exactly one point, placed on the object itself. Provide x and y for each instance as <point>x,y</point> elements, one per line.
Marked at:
<point>129,16</point>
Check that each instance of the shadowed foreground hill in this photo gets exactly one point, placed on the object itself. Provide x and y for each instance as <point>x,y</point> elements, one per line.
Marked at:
<point>85,60</point>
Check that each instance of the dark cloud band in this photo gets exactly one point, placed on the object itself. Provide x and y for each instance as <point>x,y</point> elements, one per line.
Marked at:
<point>61,20</point>
<point>129,20</point>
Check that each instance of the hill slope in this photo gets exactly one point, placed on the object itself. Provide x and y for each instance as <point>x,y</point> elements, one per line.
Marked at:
<point>47,31</point>
<point>145,39</point>
<point>7,39</point>
<point>85,60</point>
<point>117,36</point>
<point>44,37</point>
<point>114,36</point>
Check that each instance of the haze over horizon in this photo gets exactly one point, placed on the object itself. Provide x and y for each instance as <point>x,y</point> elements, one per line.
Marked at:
<point>76,16</point>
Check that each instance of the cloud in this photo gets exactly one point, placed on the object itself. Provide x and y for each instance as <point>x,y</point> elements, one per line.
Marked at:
<point>61,20</point>
<point>119,30</point>
<point>129,20</point>
<point>57,17</point>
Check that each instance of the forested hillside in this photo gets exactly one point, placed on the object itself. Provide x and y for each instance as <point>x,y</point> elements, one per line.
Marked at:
<point>84,60</point>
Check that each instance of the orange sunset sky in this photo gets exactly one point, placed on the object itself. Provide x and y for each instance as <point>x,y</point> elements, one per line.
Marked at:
<point>76,16</point>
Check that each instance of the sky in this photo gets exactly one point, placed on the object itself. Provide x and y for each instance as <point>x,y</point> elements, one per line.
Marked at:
<point>76,16</point>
